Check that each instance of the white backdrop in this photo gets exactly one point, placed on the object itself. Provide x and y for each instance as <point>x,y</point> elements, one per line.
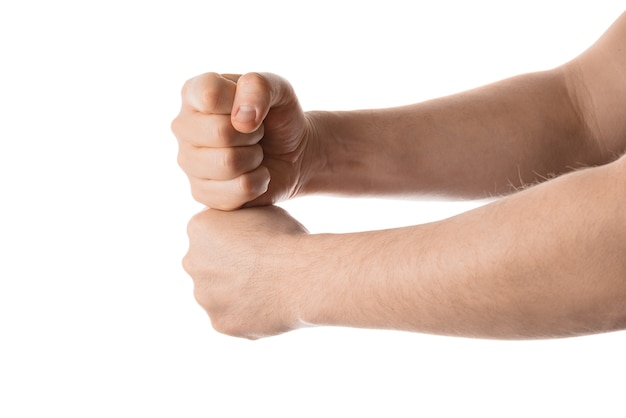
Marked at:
<point>97,318</point>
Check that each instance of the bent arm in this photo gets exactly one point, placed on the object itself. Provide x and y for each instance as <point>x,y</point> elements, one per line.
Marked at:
<point>546,262</point>
<point>488,141</point>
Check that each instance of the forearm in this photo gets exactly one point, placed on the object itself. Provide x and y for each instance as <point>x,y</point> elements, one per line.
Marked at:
<point>545,262</point>
<point>484,142</point>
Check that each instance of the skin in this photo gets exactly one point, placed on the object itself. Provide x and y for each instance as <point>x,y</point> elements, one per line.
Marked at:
<point>494,272</point>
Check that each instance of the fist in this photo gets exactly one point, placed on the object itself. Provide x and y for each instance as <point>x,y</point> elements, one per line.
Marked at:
<point>242,140</point>
<point>242,264</point>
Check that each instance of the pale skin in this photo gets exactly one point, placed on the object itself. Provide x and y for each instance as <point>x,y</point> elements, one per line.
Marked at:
<point>539,262</point>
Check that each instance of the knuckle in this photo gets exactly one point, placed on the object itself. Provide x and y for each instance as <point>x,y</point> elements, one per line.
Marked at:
<point>207,91</point>
<point>175,125</point>
<point>186,87</point>
<point>192,226</point>
<point>181,160</point>
<point>225,324</point>
<point>219,324</point>
<point>222,132</point>
<point>257,154</point>
<point>254,80</point>
<point>189,265</point>
<point>252,184</point>
<point>199,195</point>
<point>232,160</point>
<point>247,186</point>
<point>209,100</point>
<point>200,295</point>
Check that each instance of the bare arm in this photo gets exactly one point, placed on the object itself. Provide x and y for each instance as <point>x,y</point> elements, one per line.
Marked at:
<point>597,81</point>
<point>545,262</point>
<point>484,142</point>
<point>487,141</point>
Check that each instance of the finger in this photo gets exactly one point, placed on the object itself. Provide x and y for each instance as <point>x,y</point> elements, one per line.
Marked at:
<point>214,131</point>
<point>209,93</point>
<point>230,194</point>
<point>256,93</point>
<point>219,163</point>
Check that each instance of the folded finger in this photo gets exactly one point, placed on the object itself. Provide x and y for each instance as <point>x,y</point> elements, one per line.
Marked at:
<point>231,194</point>
<point>219,163</point>
<point>215,131</point>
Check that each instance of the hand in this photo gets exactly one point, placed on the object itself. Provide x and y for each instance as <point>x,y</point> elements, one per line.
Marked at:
<point>242,139</point>
<point>241,263</point>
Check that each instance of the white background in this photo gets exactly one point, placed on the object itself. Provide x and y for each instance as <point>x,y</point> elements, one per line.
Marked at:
<point>97,317</point>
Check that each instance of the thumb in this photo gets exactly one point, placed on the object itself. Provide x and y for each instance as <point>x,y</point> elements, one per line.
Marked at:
<point>255,95</point>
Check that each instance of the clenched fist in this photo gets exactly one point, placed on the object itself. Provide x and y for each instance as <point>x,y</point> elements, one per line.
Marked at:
<point>243,267</point>
<point>243,139</point>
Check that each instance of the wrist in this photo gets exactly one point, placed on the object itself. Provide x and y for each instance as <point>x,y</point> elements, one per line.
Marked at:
<point>342,152</point>
<point>335,280</point>
<point>363,153</point>
<point>310,282</point>
<point>316,156</point>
